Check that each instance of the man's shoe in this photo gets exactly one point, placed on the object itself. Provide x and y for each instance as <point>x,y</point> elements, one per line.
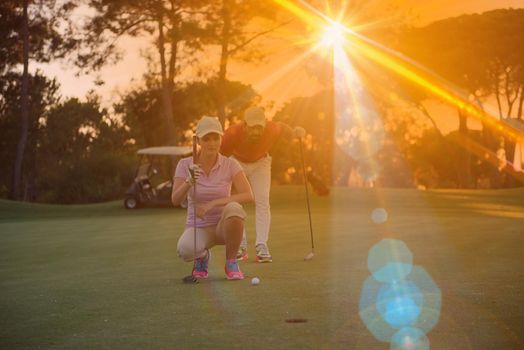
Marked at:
<point>263,255</point>
<point>200,266</point>
<point>242,254</point>
<point>233,270</point>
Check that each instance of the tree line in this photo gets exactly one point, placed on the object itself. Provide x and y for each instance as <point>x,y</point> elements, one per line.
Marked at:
<point>71,151</point>
<point>178,31</point>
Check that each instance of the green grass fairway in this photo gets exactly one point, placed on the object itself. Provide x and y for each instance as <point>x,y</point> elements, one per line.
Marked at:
<point>101,277</point>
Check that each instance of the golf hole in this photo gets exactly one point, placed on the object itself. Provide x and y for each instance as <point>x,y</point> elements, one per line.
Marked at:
<point>296,320</point>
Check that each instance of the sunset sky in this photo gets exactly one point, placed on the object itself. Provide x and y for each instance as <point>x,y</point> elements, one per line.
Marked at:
<point>263,76</point>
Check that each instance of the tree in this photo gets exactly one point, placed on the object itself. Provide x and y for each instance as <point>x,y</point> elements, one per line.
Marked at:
<point>496,64</point>
<point>24,103</point>
<point>493,69</point>
<point>177,29</point>
<point>83,155</point>
<point>30,31</point>
<point>139,109</point>
<point>42,96</point>
<point>235,31</point>
<point>75,151</point>
<point>316,115</point>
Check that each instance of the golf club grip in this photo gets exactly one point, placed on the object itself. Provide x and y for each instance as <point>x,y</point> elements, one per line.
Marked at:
<point>307,192</point>
<point>195,151</point>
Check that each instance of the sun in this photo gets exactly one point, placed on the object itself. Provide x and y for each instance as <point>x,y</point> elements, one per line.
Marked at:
<point>333,35</point>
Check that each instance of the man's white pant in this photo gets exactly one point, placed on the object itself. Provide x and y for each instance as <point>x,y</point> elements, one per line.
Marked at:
<point>259,175</point>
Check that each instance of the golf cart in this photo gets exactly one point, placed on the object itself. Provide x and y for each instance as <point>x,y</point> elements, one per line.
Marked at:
<point>152,184</point>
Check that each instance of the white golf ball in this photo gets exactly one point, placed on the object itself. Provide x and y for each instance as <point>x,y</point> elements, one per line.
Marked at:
<point>255,281</point>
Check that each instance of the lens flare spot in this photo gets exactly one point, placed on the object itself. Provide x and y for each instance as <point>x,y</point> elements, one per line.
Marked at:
<point>379,215</point>
<point>390,260</point>
<point>409,338</point>
<point>392,272</point>
<point>401,312</point>
<point>400,303</point>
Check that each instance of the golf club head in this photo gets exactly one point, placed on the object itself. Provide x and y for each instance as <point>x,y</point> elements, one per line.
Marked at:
<point>309,256</point>
<point>190,279</point>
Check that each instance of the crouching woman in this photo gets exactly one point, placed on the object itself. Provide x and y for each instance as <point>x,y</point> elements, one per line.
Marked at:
<point>219,214</point>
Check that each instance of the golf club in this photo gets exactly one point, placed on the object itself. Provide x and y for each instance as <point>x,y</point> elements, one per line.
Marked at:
<point>312,253</point>
<point>191,278</point>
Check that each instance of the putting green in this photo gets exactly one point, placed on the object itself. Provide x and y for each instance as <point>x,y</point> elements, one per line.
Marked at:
<point>102,277</point>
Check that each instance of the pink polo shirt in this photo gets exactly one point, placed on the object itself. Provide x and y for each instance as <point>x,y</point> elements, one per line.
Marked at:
<point>213,186</point>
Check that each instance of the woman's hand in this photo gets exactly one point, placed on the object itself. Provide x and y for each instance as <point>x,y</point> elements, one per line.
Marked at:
<point>193,173</point>
<point>203,208</point>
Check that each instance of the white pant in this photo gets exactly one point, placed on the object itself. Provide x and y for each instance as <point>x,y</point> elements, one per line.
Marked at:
<point>259,175</point>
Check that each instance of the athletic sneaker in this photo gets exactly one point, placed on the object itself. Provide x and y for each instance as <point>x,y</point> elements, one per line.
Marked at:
<point>242,254</point>
<point>263,253</point>
<point>233,270</point>
<point>200,266</point>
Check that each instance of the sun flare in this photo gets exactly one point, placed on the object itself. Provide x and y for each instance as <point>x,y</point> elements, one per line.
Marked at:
<point>333,35</point>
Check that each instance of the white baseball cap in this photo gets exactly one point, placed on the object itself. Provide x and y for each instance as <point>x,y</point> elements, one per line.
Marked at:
<point>207,125</point>
<point>255,116</point>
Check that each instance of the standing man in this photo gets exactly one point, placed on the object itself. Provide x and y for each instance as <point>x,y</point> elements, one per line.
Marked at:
<point>249,142</point>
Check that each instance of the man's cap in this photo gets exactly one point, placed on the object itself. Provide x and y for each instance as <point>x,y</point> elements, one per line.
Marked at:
<point>255,116</point>
<point>207,125</point>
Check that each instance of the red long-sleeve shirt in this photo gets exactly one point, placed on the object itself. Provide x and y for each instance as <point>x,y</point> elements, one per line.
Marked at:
<point>235,142</point>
